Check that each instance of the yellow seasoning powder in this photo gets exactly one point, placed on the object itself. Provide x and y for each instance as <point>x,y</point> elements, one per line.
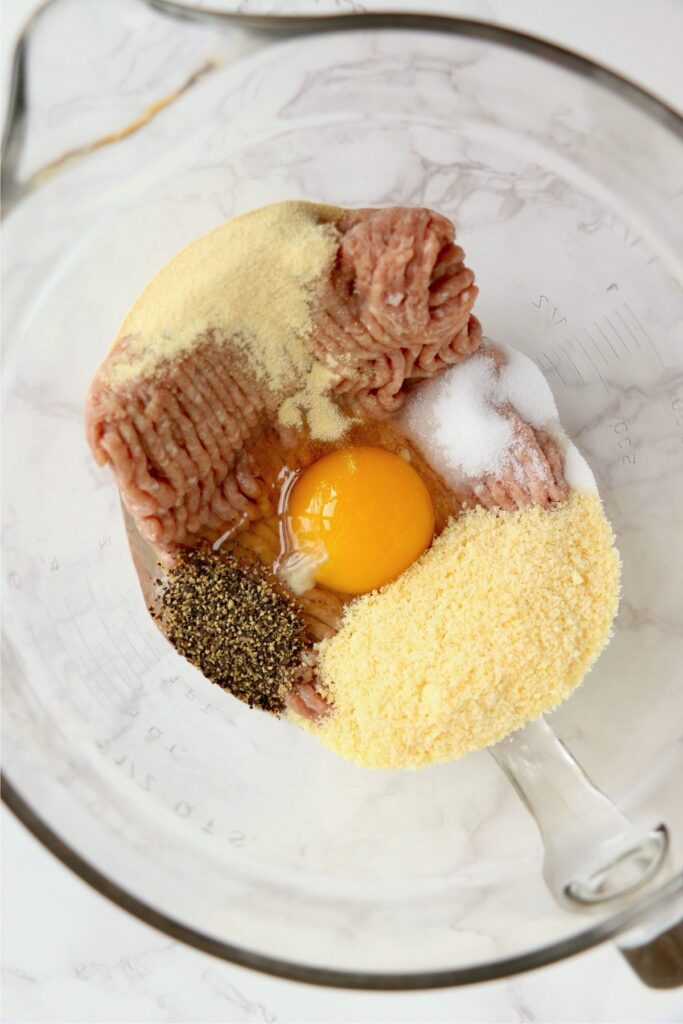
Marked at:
<point>249,284</point>
<point>497,623</point>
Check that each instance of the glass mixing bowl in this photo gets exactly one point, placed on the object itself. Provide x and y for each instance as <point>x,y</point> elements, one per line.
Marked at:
<point>227,828</point>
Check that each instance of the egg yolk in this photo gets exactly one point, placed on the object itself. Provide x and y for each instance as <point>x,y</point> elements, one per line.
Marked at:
<point>363,514</point>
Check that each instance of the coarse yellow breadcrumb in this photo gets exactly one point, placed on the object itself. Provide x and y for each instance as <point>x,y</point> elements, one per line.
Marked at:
<point>497,623</point>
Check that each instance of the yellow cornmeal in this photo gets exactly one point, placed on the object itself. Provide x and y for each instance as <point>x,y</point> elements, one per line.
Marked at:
<point>249,282</point>
<point>498,622</point>
<point>323,418</point>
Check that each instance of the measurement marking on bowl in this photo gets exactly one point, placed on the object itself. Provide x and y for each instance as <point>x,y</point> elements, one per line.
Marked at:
<point>616,333</point>
<point>144,639</point>
<point>135,688</point>
<point>625,442</point>
<point>573,364</point>
<point>123,696</point>
<point>556,317</point>
<point>556,369</point>
<point>621,323</point>
<point>599,328</point>
<point>125,656</point>
<point>591,361</point>
<point>144,783</point>
<point>134,691</point>
<point>97,667</point>
<point>627,328</point>
<point>677,409</point>
<point>645,333</point>
<point>595,345</point>
<point>73,669</point>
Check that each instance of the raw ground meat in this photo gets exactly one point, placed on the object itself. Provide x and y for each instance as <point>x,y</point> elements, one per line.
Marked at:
<point>187,447</point>
<point>195,448</point>
<point>191,448</point>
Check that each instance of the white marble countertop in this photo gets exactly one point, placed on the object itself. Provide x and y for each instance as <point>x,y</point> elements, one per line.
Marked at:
<point>69,955</point>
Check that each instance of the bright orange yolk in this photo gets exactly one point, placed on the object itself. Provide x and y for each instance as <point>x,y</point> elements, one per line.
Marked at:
<point>364,513</point>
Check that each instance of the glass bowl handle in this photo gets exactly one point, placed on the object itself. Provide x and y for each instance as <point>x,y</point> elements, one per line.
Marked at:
<point>592,853</point>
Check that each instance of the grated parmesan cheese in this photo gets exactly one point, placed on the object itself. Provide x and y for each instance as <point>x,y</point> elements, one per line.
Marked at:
<point>497,623</point>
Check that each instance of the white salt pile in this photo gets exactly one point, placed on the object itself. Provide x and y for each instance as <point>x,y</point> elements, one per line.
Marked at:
<point>456,418</point>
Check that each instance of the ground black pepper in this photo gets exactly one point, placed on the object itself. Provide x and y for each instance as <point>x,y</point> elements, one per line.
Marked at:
<point>231,622</point>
